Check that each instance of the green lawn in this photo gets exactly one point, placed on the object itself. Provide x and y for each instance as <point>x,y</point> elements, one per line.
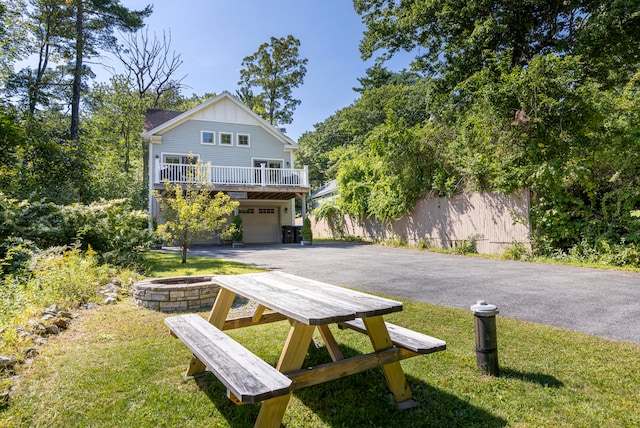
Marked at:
<point>118,367</point>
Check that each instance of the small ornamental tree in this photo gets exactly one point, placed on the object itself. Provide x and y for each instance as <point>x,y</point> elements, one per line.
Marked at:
<point>306,232</point>
<point>237,232</point>
<point>192,213</point>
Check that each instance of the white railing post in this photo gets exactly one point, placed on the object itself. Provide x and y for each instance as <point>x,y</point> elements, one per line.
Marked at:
<point>263,174</point>
<point>156,172</point>
<point>305,182</point>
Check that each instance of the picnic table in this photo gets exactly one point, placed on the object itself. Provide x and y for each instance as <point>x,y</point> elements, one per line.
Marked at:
<point>307,305</point>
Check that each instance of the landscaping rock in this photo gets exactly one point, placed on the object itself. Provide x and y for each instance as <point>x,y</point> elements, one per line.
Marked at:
<point>6,363</point>
<point>61,323</point>
<point>52,329</point>
<point>64,314</point>
<point>110,301</point>
<point>116,281</point>
<point>53,310</point>
<point>39,329</point>
<point>111,288</point>
<point>47,316</point>
<point>31,353</point>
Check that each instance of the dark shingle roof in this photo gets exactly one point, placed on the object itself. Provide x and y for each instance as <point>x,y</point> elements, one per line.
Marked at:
<point>156,117</point>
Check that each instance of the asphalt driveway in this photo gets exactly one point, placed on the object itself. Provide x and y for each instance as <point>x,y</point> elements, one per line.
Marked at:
<point>598,302</point>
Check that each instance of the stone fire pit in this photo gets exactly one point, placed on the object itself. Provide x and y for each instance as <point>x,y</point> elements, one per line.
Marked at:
<point>178,293</point>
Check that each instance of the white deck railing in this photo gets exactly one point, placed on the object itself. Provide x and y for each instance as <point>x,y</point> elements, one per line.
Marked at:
<point>231,175</point>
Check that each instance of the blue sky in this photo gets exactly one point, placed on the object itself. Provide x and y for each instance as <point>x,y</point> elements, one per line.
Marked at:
<point>213,36</point>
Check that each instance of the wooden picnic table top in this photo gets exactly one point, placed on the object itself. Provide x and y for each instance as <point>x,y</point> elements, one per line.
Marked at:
<point>308,301</point>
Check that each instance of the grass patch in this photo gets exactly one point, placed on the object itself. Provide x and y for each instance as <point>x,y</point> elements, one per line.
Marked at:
<point>118,367</point>
<point>168,264</point>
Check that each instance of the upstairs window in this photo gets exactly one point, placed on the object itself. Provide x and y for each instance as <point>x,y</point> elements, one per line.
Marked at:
<point>243,140</point>
<point>178,159</point>
<point>226,139</point>
<point>208,137</point>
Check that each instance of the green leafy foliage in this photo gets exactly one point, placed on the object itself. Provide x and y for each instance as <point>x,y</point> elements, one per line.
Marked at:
<point>306,232</point>
<point>112,131</point>
<point>275,68</point>
<point>517,97</point>
<point>112,228</point>
<point>192,213</point>
<point>235,231</point>
<point>330,212</point>
<point>67,276</point>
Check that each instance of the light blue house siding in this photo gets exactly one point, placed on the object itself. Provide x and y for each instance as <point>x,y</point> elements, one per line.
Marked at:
<point>186,138</point>
<point>264,206</point>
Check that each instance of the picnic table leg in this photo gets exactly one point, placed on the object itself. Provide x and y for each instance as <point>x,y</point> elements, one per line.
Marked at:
<point>330,342</point>
<point>393,373</point>
<point>217,317</point>
<point>292,358</point>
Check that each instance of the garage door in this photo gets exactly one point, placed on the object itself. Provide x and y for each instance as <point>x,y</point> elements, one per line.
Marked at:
<point>260,224</point>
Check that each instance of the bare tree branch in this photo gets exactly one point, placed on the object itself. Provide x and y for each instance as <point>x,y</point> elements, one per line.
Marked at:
<point>150,64</point>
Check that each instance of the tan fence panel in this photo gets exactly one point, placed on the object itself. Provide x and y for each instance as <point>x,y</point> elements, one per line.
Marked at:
<point>494,220</point>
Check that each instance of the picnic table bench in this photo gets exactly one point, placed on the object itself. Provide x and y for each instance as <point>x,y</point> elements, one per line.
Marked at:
<point>308,305</point>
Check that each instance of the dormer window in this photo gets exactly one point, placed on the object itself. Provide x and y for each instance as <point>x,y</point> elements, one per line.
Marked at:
<point>243,140</point>
<point>208,137</point>
<point>226,139</point>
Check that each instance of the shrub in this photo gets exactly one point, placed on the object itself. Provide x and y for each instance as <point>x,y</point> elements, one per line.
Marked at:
<point>236,231</point>
<point>424,244</point>
<point>118,233</point>
<point>66,276</point>
<point>112,228</point>
<point>394,241</point>
<point>468,246</point>
<point>305,232</point>
<point>353,238</point>
<point>516,251</point>
<point>13,299</point>
<point>16,254</point>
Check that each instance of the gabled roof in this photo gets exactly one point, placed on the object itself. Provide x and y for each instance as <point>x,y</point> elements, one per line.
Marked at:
<point>155,117</point>
<point>161,122</point>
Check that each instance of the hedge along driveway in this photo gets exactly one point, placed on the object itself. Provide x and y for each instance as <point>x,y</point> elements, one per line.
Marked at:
<point>600,302</point>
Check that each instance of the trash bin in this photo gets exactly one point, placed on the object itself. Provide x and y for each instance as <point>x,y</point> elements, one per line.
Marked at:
<point>287,235</point>
<point>297,236</point>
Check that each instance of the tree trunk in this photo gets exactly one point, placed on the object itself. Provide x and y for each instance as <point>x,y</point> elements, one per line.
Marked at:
<point>77,73</point>
<point>145,174</point>
<point>184,254</point>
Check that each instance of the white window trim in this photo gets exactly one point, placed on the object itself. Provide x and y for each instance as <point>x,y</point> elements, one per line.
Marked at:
<point>163,156</point>
<point>238,139</point>
<point>220,134</point>
<point>267,160</point>
<point>202,138</point>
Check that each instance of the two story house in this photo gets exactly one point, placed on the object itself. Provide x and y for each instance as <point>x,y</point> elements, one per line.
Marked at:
<point>238,152</point>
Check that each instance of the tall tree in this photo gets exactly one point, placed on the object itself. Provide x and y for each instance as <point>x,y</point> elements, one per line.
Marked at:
<point>378,76</point>
<point>13,35</point>
<point>150,65</point>
<point>276,68</point>
<point>456,39</point>
<point>112,131</point>
<point>49,26</point>
<point>151,69</point>
<point>95,21</point>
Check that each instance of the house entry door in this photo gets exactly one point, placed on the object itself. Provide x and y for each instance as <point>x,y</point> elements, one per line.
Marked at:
<point>272,176</point>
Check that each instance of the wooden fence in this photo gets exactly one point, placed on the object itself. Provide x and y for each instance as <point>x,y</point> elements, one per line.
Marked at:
<point>493,220</point>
